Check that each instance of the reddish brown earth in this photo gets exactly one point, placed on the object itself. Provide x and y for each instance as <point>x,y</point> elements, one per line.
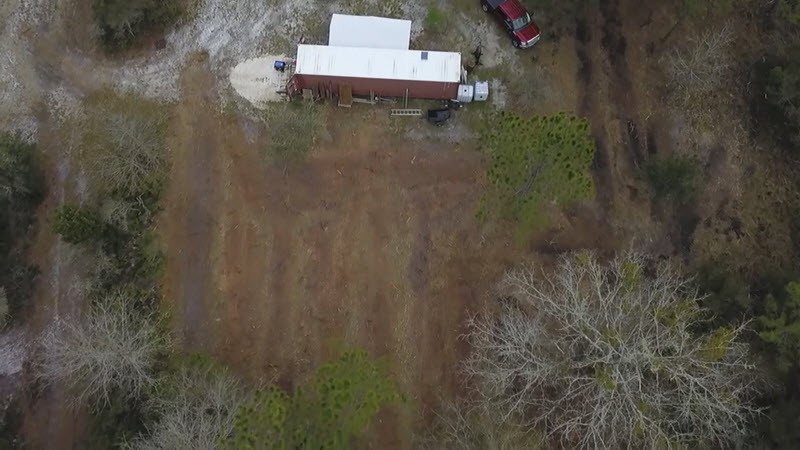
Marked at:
<point>369,243</point>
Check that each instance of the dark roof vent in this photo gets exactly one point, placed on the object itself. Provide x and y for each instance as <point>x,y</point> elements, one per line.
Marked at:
<point>424,56</point>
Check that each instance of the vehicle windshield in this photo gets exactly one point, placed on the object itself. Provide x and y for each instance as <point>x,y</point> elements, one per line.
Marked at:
<point>520,23</point>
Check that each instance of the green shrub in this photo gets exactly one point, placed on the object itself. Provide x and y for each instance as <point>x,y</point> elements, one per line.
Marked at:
<point>328,411</point>
<point>673,178</point>
<point>77,225</point>
<point>122,22</point>
<point>536,161</point>
<point>780,327</point>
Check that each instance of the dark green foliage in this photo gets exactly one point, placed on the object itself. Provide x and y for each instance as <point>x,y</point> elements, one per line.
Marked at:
<point>116,422</point>
<point>10,426</point>
<point>697,8</point>
<point>789,10</point>
<point>327,412</point>
<point>77,225</point>
<point>20,192</point>
<point>780,327</point>
<point>534,162</point>
<point>781,425</point>
<point>727,295</point>
<point>673,178</point>
<point>122,22</point>
<point>783,95</point>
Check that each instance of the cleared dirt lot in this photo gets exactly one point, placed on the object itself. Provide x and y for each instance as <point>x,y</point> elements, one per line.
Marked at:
<point>369,243</point>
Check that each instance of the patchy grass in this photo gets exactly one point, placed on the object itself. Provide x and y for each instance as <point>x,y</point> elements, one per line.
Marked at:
<point>292,130</point>
<point>435,20</point>
<point>535,162</point>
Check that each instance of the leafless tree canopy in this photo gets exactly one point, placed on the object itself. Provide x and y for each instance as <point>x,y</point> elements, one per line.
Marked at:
<point>112,352</point>
<point>132,151</point>
<point>603,356</point>
<point>702,67</point>
<point>197,409</point>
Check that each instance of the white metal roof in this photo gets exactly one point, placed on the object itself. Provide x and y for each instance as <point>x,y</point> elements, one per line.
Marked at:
<point>415,65</point>
<point>369,32</point>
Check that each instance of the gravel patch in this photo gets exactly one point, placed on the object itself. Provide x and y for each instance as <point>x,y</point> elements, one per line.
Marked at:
<point>257,81</point>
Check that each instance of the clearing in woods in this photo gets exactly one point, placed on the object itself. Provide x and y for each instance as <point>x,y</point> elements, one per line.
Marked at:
<point>369,243</point>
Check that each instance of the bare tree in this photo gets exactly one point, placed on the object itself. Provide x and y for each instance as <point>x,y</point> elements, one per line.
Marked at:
<point>131,152</point>
<point>111,353</point>
<point>196,408</point>
<point>703,66</point>
<point>603,356</point>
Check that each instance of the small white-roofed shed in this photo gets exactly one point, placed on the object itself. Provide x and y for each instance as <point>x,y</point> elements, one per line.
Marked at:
<point>369,32</point>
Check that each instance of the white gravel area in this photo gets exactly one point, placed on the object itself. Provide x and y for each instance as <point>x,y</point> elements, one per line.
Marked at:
<point>257,80</point>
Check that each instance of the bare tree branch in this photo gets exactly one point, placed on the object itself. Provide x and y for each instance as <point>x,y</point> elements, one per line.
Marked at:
<point>196,407</point>
<point>111,353</point>
<point>604,356</point>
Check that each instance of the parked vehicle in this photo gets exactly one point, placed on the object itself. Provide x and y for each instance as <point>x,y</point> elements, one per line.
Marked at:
<point>516,20</point>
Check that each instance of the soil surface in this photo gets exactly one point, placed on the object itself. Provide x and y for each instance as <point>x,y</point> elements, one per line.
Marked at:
<point>372,244</point>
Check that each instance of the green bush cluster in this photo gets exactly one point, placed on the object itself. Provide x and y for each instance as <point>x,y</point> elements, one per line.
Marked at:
<point>779,327</point>
<point>327,412</point>
<point>77,225</point>
<point>20,192</point>
<point>536,161</point>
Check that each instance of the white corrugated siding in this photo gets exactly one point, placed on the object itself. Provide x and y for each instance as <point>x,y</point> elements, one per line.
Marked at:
<point>378,63</point>
<point>369,32</point>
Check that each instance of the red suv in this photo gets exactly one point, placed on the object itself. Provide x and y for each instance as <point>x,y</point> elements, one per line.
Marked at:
<point>524,33</point>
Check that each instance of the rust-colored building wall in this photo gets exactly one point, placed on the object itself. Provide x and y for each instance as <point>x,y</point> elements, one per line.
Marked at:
<point>385,88</point>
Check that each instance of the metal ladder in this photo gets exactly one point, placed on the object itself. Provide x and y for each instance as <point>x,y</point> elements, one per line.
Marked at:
<point>406,112</point>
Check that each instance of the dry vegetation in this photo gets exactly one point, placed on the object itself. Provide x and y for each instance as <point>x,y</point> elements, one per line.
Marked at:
<point>306,224</point>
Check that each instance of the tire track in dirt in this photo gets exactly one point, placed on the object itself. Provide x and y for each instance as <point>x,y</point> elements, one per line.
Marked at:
<point>189,227</point>
<point>622,94</point>
<point>608,99</point>
<point>590,101</point>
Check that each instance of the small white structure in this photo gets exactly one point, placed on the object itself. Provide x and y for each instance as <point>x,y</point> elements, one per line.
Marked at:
<point>369,32</point>
<point>378,63</point>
